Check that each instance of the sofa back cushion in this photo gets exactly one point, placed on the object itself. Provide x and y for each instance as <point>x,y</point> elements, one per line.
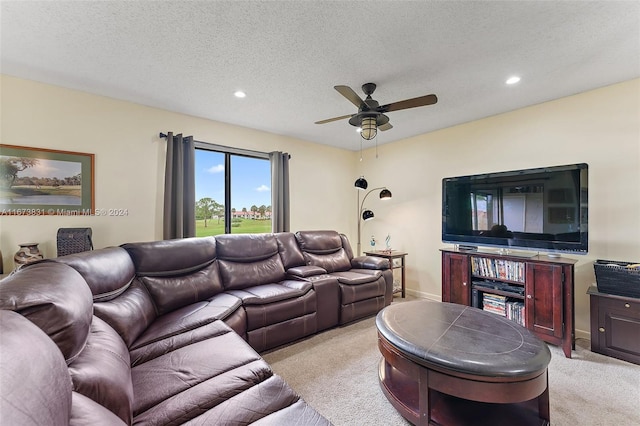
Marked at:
<point>35,388</point>
<point>55,298</point>
<point>289,250</point>
<point>108,271</point>
<point>118,299</point>
<point>178,272</point>
<point>324,249</point>
<point>102,371</point>
<point>247,260</point>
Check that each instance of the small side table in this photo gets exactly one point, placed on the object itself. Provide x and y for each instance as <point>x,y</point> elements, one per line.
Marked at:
<point>396,261</point>
<point>615,325</point>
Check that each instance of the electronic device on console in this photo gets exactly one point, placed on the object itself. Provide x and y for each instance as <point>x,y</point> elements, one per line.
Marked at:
<point>542,209</point>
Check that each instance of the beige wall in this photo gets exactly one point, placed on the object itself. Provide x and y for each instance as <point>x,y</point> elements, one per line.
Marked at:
<point>129,168</point>
<point>600,127</point>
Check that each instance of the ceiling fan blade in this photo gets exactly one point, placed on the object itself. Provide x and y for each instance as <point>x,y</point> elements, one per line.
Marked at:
<point>329,120</point>
<point>385,126</point>
<point>409,103</point>
<point>352,96</point>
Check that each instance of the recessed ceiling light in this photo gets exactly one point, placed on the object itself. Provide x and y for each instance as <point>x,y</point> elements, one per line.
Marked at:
<point>239,94</point>
<point>513,80</point>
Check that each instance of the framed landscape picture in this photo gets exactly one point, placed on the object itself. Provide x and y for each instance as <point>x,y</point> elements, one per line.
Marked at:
<point>35,181</point>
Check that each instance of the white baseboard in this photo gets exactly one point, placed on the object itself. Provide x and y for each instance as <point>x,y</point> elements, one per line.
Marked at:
<point>423,295</point>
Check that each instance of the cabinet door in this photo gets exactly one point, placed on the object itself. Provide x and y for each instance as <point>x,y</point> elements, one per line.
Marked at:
<point>456,285</point>
<point>619,328</point>
<point>543,302</point>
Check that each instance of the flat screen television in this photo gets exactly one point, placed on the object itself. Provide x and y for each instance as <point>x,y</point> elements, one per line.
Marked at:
<point>544,209</point>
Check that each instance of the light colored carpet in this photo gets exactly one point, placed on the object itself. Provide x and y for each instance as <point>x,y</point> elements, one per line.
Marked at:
<point>336,372</point>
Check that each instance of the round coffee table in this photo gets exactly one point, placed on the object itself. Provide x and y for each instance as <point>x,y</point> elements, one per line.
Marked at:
<point>450,364</point>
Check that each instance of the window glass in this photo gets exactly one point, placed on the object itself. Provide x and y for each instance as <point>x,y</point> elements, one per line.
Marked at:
<point>249,193</point>
<point>209,193</point>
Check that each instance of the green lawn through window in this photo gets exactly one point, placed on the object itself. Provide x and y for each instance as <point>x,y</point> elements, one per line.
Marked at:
<point>238,226</point>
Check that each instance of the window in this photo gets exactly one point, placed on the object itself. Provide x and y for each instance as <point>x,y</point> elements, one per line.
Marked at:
<point>233,193</point>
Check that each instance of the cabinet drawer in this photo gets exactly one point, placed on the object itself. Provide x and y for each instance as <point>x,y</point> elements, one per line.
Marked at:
<point>628,306</point>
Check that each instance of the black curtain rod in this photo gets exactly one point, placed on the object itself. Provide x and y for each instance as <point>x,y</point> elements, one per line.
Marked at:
<point>164,136</point>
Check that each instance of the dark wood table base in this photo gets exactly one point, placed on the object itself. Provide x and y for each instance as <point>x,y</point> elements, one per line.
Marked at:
<point>431,395</point>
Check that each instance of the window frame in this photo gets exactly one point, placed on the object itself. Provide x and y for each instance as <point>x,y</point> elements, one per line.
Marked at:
<point>228,152</point>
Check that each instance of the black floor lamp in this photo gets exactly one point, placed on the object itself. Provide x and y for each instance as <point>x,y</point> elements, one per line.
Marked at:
<point>385,194</point>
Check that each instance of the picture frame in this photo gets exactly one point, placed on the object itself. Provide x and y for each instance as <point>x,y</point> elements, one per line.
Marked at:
<point>39,181</point>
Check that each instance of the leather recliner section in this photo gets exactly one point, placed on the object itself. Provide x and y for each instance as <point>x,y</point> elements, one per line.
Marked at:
<point>362,293</point>
<point>278,310</point>
<point>167,332</point>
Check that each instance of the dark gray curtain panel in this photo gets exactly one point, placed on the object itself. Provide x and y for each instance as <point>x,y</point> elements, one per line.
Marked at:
<point>279,191</point>
<point>179,188</point>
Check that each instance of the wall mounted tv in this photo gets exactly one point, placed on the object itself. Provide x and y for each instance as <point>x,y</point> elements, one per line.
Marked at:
<point>544,209</point>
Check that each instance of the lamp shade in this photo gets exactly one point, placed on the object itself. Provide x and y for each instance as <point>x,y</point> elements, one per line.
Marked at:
<point>385,194</point>
<point>369,129</point>
<point>361,183</point>
<point>367,215</point>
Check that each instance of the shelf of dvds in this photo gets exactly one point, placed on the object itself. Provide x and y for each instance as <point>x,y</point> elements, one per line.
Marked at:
<point>536,291</point>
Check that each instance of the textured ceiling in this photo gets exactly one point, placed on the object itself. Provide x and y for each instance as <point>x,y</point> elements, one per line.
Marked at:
<point>190,57</point>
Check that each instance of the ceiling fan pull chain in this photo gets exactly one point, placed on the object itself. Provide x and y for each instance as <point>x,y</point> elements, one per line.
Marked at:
<point>376,138</point>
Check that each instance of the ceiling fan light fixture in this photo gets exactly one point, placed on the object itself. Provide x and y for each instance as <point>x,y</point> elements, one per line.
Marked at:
<point>369,128</point>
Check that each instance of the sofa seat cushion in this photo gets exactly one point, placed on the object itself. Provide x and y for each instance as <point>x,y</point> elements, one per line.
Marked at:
<point>186,382</point>
<point>271,402</point>
<point>188,318</point>
<point>298,413</point>
<point>271,293</point>
<point>176,341</point>
<point>272,304</point>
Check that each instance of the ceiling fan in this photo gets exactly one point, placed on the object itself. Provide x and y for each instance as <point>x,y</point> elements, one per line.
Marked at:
<point>370,116</point>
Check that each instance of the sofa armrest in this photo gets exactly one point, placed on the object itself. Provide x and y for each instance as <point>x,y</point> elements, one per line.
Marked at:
<point>369,262</point>
<point>306,271</point>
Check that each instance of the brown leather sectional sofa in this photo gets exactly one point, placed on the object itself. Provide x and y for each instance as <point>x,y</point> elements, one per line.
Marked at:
<point>169,332</point>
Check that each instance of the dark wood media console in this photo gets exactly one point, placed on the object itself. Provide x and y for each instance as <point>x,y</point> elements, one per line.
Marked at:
<point>544,286</point>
